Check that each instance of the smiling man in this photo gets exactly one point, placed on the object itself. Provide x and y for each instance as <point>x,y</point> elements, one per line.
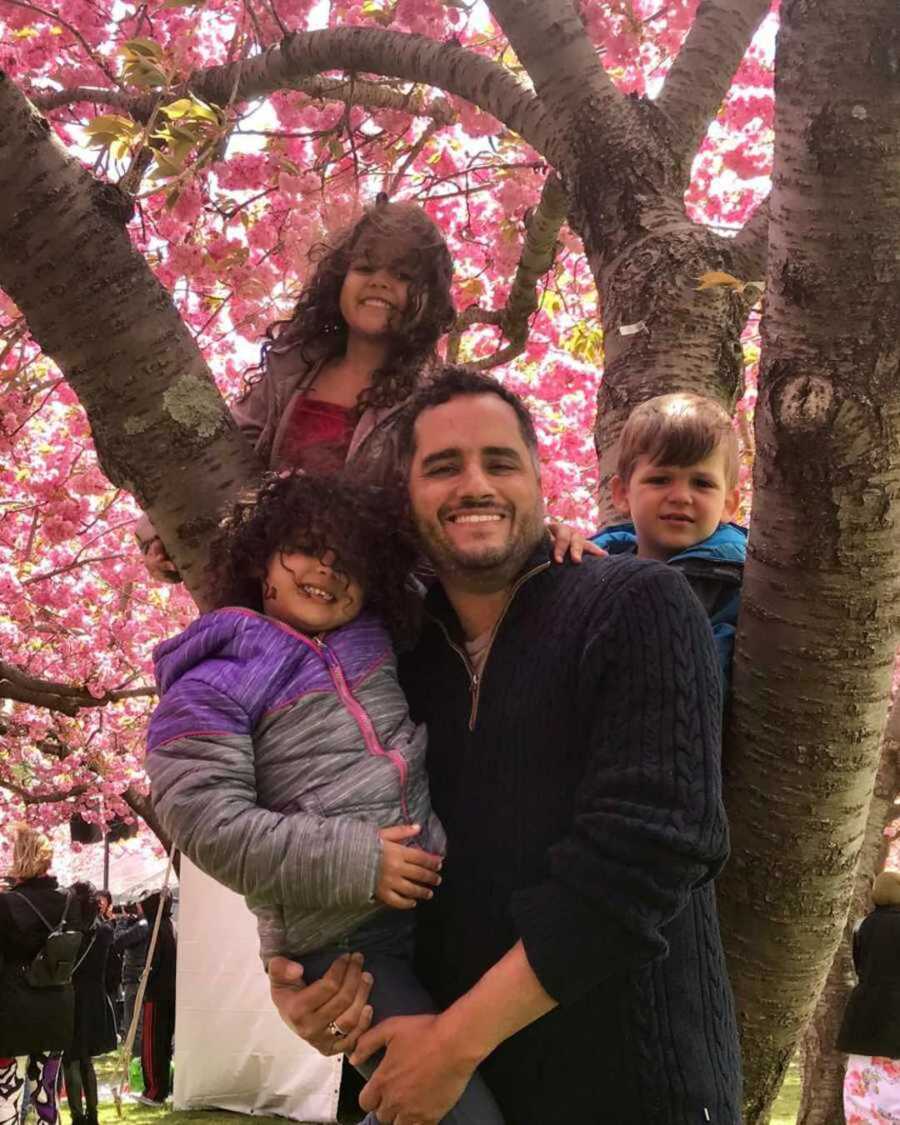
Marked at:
<point>574,760</point>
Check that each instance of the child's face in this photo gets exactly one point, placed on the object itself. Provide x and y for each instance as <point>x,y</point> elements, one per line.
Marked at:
<point>375,291</point>
<point>674,507</point>
<point>305,593</point>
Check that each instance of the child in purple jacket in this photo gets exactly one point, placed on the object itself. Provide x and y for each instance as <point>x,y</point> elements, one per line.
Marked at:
<point>282,756</point>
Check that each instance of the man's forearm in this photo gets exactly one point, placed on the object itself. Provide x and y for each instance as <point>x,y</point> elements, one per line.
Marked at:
<point>507,998</point>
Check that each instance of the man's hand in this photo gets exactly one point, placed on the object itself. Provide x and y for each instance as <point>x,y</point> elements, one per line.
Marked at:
<point>567,539</point>
<point>406,875</point>
<point>339,998</point>
<point>422,1074</point>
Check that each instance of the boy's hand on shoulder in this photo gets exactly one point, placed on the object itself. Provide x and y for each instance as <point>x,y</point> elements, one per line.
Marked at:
<point>407,874</point>
<point>567,540</point>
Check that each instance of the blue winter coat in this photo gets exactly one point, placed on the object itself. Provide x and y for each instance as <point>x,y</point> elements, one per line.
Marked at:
<point>714,568</point>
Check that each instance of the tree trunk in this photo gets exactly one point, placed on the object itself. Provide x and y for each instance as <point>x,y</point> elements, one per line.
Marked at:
<point>92,303</point>
<point>822,1102</point>
<point>142,806</point>
<point>817,636</point>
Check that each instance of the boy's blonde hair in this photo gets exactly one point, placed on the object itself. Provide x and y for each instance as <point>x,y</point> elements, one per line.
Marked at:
<point>678,429</point>
<point>32,854</point>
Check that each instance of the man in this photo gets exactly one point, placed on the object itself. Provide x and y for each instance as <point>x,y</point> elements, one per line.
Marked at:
<point>574,760</point>
<point>131,940</point>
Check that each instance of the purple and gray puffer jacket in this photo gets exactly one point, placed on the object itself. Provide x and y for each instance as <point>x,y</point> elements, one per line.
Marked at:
<point>275,758</point>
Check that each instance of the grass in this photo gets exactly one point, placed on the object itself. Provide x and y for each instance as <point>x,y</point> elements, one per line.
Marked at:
<point>788,1103</point>
<point>784,1113</point>
<point>133,1113</point>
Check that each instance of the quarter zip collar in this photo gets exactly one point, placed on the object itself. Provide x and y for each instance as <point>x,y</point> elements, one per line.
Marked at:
<point>439,609</point>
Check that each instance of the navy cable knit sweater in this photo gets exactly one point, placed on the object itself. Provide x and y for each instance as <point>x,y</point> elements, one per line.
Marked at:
<point>579,783</point>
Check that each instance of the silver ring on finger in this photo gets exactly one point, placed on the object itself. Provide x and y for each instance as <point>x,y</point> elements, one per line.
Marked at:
<point>336,1030</point>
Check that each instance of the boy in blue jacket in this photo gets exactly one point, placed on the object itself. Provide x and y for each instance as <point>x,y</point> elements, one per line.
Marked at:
<point>677,481</point>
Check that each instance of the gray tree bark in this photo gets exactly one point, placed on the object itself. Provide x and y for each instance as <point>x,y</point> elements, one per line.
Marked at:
<point>815,648</point>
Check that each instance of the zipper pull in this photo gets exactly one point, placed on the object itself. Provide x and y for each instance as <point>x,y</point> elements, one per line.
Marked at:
<point>473,686</point>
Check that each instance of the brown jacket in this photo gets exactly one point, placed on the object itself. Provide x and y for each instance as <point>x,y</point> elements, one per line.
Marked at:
<point>264,413</point>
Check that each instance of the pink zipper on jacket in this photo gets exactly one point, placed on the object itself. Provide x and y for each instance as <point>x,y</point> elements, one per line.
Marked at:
<point>362,719</point>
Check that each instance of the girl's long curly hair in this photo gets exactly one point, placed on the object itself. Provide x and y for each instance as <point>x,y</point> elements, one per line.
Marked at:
<point>364,525</point>
<point>407,239</point>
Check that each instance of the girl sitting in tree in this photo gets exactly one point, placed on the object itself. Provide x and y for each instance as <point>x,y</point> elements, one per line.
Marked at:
<point>332,379</point>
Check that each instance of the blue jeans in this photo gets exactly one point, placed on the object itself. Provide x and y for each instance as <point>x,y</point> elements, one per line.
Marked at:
<point>387,943</point>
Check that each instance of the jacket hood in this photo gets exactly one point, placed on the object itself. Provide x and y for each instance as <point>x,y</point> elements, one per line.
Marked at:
<point>212,636</point>
<point>728,543</point>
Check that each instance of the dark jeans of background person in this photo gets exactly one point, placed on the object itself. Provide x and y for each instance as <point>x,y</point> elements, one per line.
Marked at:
<point>387,943</point>
<point>127,1013</point>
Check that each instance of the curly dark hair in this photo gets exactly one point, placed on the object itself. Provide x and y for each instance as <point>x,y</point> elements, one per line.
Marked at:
<point>403,236</point>
<point>364,525</point>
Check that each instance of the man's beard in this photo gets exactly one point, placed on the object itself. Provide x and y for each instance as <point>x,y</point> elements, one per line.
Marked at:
<point>488,568</point>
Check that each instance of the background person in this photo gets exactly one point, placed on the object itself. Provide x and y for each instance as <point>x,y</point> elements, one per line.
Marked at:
<point>94,1026</point>
<point>870,1029</point>
<point>36,1023</point>
<point>159,1004</point>
<point>130,941</point>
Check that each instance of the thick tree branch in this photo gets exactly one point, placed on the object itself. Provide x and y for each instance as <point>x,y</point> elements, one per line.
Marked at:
<point>751,244</point>
<point>68,699</point>
<point>369,95</point>
<point>553,46</point>
<point>538,251</point>
<point>94,306</point>
<point>47,797</point>
<point>705,66</point>
<point>394,54</point>
<point>142,806</point>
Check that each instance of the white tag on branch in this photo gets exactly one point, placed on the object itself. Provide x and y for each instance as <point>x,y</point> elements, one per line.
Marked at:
<point>633,329</point>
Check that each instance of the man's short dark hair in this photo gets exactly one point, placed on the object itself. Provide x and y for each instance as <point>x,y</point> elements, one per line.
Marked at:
<point>456,381</point>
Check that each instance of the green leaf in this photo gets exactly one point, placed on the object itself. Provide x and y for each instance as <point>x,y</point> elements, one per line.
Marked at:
<point>163,166</point>
<point>179,108</point>
<point>143,48</point>
<point>205,112</point>
<point>139,72</point>
<point>112,124</point>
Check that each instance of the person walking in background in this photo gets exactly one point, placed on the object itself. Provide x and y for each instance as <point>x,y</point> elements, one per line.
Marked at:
<point>159,1004</point>
<point>37,1005</point>
<point>131,941</point>
<point>95,1027</point>
<point>113,976</point>
<point>870,1029</point>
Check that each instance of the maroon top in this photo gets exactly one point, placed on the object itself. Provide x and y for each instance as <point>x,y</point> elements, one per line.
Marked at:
<point>318,435</point>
